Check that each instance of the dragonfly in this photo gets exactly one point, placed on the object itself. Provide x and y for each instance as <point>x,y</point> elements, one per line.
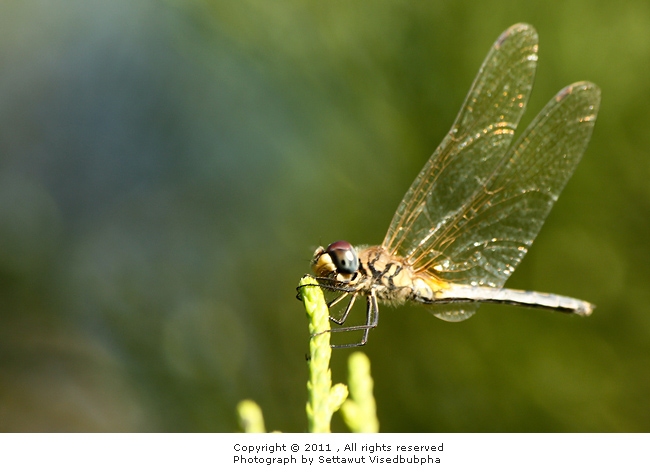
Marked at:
<point>474,210</point>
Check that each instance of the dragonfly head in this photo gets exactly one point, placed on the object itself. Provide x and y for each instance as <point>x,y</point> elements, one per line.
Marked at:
<point>339,260</point>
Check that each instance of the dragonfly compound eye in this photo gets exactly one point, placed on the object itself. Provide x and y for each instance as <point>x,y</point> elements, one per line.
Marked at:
<point>344,257</point>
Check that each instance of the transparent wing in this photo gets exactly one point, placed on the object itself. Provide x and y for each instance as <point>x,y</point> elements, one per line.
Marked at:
<point>471,151</point>
<point>483,241</point>
<point>475,209</point>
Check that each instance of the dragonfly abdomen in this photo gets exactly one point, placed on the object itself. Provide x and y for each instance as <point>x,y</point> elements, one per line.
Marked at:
<point>526,298</point>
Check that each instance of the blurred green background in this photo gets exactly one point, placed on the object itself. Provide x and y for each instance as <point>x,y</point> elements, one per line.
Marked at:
<point>168,167</point>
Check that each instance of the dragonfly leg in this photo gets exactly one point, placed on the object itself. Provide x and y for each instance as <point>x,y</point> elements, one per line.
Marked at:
<point>372,317</point>
<point>322,282</point>
<point>341,320</point>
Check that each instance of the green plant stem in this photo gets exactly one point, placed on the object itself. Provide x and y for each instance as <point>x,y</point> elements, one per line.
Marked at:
<point>323,398</point>
<point>360,410</point>
<point>250,417</point>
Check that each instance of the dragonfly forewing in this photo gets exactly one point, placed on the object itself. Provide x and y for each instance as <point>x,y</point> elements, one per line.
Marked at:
<point>473,148</point>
